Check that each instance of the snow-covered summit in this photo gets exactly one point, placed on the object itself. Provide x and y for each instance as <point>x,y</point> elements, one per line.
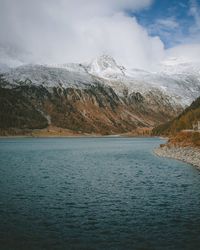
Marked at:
<point>105,66</point>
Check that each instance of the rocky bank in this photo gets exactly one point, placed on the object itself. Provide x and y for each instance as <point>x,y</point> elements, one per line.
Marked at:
<point>189,155</point>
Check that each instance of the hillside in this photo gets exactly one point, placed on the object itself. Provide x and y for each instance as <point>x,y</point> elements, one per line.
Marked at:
<point>100,97</point>
<point>93,109</point>
<point>183,143</point>
<point>184,121</point>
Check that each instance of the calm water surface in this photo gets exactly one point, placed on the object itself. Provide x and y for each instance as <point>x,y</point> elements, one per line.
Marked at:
<point>96,193</point>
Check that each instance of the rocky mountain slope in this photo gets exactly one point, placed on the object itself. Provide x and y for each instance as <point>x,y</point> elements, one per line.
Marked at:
<point>183,122</point>
<point>98,97</point>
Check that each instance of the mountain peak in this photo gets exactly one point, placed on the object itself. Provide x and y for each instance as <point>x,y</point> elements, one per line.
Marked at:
<point>105,66</point>
<point>105,61</point>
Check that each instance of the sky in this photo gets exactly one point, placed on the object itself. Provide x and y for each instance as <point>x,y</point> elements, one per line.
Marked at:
<point>137,33</point>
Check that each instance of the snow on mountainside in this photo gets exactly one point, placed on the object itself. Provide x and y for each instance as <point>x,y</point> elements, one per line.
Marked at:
<point>98,97</point>
<point>174,77</point>
<point>180,76</point>
<point>175,65</point>
<point>49,76</point>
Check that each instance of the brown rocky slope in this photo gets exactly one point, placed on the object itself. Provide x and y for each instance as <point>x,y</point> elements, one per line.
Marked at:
<point>93,109</point>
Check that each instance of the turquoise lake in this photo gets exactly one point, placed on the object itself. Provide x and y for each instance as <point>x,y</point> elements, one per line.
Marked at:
<point>96,193</point>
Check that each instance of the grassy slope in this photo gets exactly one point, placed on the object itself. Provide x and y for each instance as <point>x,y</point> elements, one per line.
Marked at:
<point>183,121</point>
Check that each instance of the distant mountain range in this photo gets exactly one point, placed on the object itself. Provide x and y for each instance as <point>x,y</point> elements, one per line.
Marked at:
<point>98,97</point>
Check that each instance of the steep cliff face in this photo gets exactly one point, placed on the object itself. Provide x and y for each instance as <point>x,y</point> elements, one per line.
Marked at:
<point>94,108</point>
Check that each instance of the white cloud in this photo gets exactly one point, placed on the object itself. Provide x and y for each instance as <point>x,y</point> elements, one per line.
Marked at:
<point>195,13</point>
<point>165,28</point>
<point>189,33</point>
<point>59,31</point>
<point>167,23</point>
<point>186,52</point>
<point>76,30</point>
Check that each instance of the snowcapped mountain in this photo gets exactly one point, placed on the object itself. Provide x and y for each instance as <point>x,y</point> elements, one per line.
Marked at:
<point>176,78</point>
<point>100,96</point>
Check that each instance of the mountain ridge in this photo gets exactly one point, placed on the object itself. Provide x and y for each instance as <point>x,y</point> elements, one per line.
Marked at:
<point>101,97</point>
<point>183,85</point>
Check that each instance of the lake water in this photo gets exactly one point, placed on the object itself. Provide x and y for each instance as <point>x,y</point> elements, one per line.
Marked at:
<point>96,193</point>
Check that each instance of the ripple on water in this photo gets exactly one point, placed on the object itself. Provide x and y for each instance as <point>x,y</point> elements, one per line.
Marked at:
<point>96,194</point>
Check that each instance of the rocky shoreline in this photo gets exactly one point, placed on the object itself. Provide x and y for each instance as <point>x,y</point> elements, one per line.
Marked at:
<point>189,155</point>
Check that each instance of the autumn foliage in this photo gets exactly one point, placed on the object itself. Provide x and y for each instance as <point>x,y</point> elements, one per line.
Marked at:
<point>184,121</point>
<point>186,139</point>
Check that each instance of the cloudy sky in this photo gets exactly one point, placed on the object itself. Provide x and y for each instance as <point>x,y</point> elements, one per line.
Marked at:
<point>137,33</point>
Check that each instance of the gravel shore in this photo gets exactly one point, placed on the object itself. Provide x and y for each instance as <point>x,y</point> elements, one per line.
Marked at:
<point>187,154</point>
